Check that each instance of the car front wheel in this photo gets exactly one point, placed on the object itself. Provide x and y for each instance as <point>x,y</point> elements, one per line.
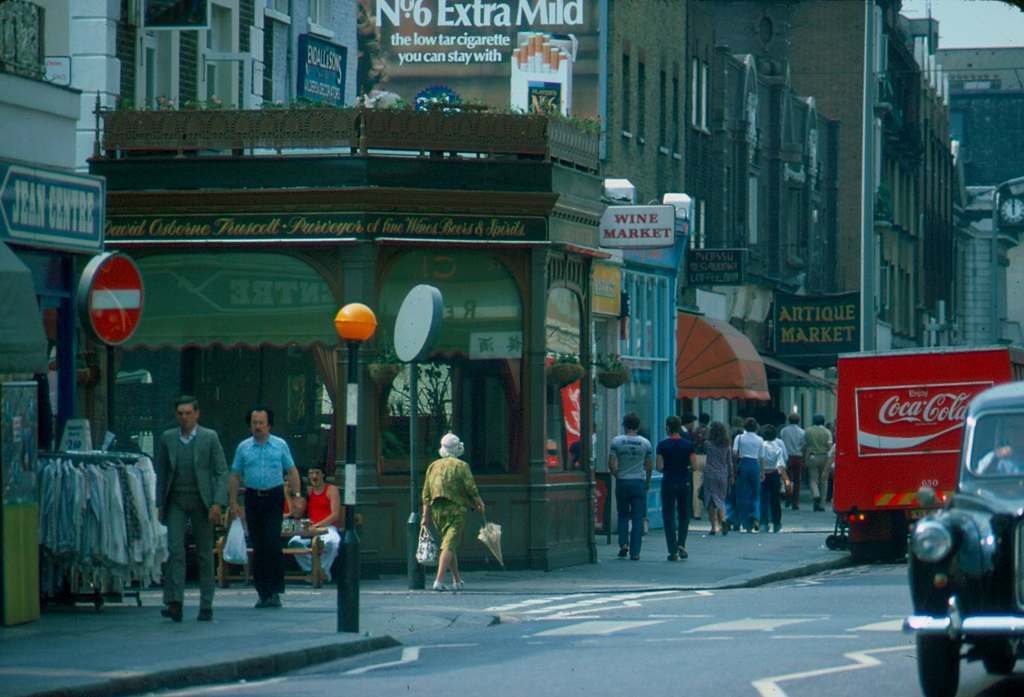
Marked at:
<point>999,656</point>
<point>938,665</point>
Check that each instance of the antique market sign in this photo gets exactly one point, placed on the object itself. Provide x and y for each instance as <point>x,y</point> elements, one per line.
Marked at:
<point>51,208</point>
<point>715,267</point>
<point>816,328</point>
<point>321,226</point>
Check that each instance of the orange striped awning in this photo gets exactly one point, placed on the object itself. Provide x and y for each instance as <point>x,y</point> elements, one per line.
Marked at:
<point>715,361</point>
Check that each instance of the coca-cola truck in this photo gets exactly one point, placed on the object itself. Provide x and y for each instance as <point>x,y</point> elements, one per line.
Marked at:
<point>899,426</point>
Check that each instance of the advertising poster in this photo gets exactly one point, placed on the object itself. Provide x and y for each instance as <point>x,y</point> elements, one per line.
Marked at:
<point>525,55</point>
<point>18,442</point>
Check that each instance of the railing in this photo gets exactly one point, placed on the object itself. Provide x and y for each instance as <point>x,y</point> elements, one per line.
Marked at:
<point>21,39</point>
<point>433,133</point>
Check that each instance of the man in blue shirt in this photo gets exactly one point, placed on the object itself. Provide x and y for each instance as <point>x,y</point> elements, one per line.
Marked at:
<point>263,461</point>
<point>676,459</point>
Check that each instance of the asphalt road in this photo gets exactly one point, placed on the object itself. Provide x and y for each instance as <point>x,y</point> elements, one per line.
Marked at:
<point>834,634</point>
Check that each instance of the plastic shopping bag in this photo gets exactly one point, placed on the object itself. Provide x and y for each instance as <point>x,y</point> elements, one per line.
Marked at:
<point>426,549</point>
<point>235,551</point>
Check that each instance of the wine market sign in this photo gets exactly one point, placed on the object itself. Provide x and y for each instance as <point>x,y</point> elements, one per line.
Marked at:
<point>637,227</point>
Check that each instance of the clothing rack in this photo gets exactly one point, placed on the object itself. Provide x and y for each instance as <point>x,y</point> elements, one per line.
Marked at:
<point>71,590</point>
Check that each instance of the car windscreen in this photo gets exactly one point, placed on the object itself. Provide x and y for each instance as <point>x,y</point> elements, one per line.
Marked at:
<point>997,445</point>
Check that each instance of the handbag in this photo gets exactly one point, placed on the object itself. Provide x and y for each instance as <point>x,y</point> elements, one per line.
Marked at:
<point>235,551</point>
<point>426,548</point>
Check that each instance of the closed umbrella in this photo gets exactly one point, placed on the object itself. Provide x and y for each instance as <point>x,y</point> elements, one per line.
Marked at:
<point>490,535</point>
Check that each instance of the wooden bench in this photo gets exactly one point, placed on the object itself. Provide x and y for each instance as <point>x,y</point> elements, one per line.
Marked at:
<point>225,573</point>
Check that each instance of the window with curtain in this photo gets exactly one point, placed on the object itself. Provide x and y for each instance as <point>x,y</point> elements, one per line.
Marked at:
<point>471,383</point>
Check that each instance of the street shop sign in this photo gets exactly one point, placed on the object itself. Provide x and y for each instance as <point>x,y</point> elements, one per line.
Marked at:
<point>213,227</point>
<point>322,68</point>
<point>110,297</point>
<point>715,267</point>
<point>638,227</point>
<point>51,208</point>
<point>816,328</point>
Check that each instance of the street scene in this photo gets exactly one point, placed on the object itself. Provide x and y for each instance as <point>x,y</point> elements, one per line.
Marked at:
<point>519,346</point>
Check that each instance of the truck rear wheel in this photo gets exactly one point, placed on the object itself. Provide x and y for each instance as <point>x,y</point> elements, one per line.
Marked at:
<point>999,656</point>
<point>938,665</point>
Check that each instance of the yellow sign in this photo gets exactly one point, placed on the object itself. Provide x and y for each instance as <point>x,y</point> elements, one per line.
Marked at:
<point>606,289</point>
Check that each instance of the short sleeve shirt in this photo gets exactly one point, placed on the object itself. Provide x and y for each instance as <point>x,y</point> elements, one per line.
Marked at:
<point>675,455</point>
<point>747,445</point>
<point>631,452</point>
<point>262,466</point>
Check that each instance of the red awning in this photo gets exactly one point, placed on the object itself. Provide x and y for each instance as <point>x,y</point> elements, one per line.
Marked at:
<point>715,361</point>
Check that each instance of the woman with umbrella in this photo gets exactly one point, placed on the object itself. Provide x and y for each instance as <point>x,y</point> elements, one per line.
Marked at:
<point>448,491</point>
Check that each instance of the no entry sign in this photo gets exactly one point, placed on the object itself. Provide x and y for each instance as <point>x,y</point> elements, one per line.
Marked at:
<point>110,297</point>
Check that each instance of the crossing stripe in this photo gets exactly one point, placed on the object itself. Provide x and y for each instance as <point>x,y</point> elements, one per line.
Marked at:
<point>769,687</point>
<point>751,624</point>
<point>597,627</point>
<point>885,626</point>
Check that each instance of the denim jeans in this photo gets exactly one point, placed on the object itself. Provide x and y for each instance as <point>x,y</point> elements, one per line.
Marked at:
<point>771,499</point>
<point>748,485</point>
<point>675,501</point>
<point>631,500</point>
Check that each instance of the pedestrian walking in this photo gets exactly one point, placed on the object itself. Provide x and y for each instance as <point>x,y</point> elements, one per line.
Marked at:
<point>793,438</point>
<point>629,461</point>
<point>263,462</point>
<point>192,488</point>
<point>746,447</point>
<point>817,443</point>
<point>676,459</point>
<point>719,474</point>
<point>772,457</point>
<point>449,490</point>
<point>698,434</point>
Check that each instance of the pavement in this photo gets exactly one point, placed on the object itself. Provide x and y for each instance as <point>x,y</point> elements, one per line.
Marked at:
<point>124,649</point>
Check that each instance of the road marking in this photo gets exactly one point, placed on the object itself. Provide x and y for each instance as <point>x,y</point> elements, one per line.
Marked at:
<point>601,600</point>
<point>679,617</point>
<point>690,638</point>
<point>886,626</point>
<point>815,636</point>
<point>596,627</point>
<point>769,687</point>
<point>410,654</point>
<point>750,624</point>
<point>533,602</point>
<point>211,689</point>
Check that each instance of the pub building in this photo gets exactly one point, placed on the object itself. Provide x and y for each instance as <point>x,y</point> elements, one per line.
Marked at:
<point>247,257</point>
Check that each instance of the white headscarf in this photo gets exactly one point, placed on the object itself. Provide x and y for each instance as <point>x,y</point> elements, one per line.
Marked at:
<point>451,446</point>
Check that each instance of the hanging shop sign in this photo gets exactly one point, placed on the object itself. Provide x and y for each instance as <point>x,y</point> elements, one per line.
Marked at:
<point>715,267</point>
<point>606,290</point>
<point>530,55</point>
<point>638,227</point>
<point>51,208</point>
<point>322,67</point>
<point>176,14</point>
<point>815,329</point>
<point>110,297</point>
<point>321,226</point>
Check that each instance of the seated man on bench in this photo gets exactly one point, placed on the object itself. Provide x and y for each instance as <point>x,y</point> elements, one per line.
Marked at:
<point>323,508</point>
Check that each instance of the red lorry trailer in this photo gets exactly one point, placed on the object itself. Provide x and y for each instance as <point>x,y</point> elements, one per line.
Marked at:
<point>899,427</point>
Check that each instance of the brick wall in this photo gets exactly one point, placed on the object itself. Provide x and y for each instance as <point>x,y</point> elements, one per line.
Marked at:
<point>127,35</point>
<point>188,68</point>
<point>827,47</point>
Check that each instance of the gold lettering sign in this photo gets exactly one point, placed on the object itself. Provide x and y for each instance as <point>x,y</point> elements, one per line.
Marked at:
<point>606,290</point>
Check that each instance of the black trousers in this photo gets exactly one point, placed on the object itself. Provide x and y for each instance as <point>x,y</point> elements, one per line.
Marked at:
<point>675,501</point>
<point>263,513</point>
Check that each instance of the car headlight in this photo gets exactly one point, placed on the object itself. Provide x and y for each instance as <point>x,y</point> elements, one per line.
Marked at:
<point>931,541</point>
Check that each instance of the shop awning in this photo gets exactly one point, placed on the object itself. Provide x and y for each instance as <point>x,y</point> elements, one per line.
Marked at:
<point>715,361</point>
<point>22,338</point>
<point>794,376</point>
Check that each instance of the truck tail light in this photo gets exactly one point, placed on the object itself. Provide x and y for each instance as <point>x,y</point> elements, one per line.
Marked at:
<point>856,518</point>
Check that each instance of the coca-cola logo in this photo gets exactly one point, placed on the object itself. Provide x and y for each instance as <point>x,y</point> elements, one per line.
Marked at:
<point>913,419</point>
<point>919,407</point>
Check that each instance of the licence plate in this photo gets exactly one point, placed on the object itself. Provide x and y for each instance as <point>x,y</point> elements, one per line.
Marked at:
<point>917,513</point>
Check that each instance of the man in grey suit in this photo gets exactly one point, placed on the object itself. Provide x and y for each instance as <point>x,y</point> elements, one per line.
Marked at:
<point>191,484</point>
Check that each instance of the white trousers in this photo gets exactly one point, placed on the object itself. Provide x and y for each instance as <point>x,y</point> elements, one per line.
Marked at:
<point>331,540</point>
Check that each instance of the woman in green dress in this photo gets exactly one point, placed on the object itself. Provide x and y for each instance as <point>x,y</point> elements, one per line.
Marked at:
<point>448,492</point>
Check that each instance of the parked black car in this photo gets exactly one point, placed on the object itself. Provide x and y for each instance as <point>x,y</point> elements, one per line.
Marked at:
<point>967,560</point>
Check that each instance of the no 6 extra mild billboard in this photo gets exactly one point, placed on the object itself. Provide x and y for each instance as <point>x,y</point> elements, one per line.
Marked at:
<point>527,55</point>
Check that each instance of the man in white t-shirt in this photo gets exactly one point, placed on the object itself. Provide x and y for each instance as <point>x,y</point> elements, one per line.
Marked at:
<point>792,436</point>
<point>630,462</point>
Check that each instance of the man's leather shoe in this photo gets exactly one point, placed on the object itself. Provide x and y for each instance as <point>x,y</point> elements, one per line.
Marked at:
<point>205,615</point>
<point>173,611</point>
<point>274,601</point>
<point>262,602</point>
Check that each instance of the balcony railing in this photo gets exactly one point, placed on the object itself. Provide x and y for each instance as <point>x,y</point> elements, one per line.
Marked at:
<point>21,39</point>
<point>428,133</point>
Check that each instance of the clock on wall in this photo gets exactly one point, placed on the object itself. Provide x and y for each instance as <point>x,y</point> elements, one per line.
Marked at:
<point>1011,210</point>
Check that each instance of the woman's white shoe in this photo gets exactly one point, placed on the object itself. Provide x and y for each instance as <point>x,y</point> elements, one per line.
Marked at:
<point>438,586</point>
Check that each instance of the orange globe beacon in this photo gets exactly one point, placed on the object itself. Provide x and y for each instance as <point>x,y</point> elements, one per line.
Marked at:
<point>355,322</point>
